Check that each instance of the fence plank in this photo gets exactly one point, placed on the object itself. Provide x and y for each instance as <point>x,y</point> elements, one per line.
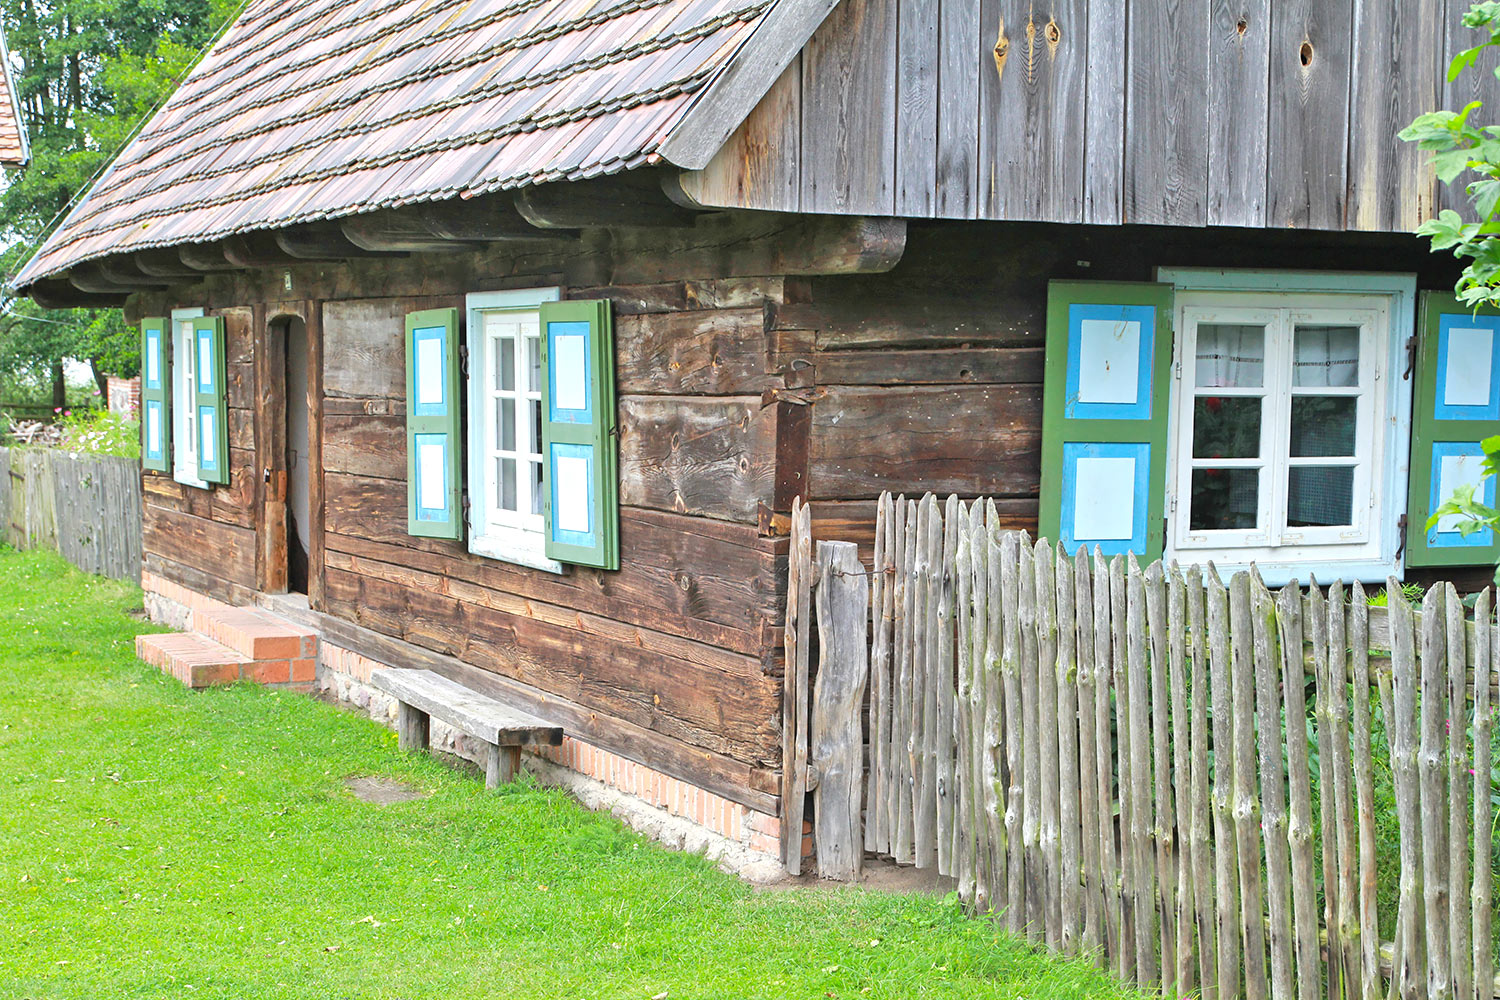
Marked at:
<point>978,816</point>
<point>924,813</point>
<point>1345,912</point>
<point>797,645</point>
<point>1104,772</point>
<point>1071,835</point>
<point>1010,666</point>
<point>1458,796</point>
<point>1363,758</point>
<point>1137,683</point>
<point>1299,830</point>
<point>1164,819</point>
<point>1123,770</point>
<point>1434,872</point>
<point>1199,849</point>
<point>965,784</point>
<point>942,689</point>
<point>1487,654</point>
<point>1405,967</point>
<point>1273,816</point>
<point>1045,737</point>
<point>877,840</point>
<point>1090,859</point>
<point>995,788</point>
<point>1226,872</point>
<point>843,602</point>
<point>1031,761</point>
<point>1246,805</point>
<point>1186,975</point>
<point>901,774</point>
<point>1315,619</point>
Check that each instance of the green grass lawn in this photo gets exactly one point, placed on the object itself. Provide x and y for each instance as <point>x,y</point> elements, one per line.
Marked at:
<point>161,843</point>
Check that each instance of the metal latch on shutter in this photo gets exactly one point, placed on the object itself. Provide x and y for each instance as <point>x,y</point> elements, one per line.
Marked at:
<point>1401,532</point>
<point>463,360</point>
<point>1411,357</point>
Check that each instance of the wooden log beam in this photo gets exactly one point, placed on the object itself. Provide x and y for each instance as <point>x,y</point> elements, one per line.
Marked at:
<point>487,219</point>
<point>321,241</point>
<point>259,249</point>
<point>124,270</point>
<point>88,278</point>
<point>739,244</point>
<point>164,263</point>
<point>625,200</point>
<point>399,231</point>
<point>59,293</point>
<point>205,257</point>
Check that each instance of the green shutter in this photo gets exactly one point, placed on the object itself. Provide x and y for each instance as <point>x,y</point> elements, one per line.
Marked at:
<point>581,499</point>
<point>434,481</point>
<point>156,395</point>
<point>1104,416</point>
<point>209,399</point>
<point>1455,403</point>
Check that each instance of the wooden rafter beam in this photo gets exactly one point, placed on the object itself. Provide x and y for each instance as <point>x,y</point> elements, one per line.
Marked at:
<point>628,200</point>
<point>164,263</point>
<point>59,293</point>
<point>321,241</point>
<point>124,270</point>
<point>399,231</point>
<point>205,257</point>
<point>486,219</point>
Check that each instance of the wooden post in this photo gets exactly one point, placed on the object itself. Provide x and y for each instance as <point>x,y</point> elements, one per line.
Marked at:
<point>1273,821</point>
<point>1164,819</point>
<point>1486,667</point>
<point>837,732</point>
<point>1346,867</point>
<point>1402,708</point>
<point>1186,972</point>
<point>903,830</point>
<point>1090,860</point>
<point>1459,958</point>
<point>1299,831</point>
<point>501,765</point>
<point>1010,666</point>
<point>1031,760</point>
<point>877,828</point>
<point>412,727</point>
<point>943,689</point>
<point>992,735</point>
<point>1205,892</point>
<point>1362,758</point>
<point>794,688</point>
<point>965,786</point>
<point>1143,895</point>
<point>924,819</point>
<point>1123,767</point>
<point>1065,679</point>
<point>1045,738</point>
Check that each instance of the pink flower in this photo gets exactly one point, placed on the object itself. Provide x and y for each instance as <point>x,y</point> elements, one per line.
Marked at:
<point>57,409</point>
<point>67,413</point>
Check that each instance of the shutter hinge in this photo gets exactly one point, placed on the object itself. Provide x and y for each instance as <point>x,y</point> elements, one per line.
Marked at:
<point>1411,357</point>
<point>466,509</point>
<point>1401,531</point>
<point>463,360</point>
<point>1177,369</point>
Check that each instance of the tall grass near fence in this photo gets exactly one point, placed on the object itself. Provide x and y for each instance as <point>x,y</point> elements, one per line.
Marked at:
<point>1211,787</point>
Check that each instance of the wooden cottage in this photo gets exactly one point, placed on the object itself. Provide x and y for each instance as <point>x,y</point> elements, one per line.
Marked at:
<point>508,332</point>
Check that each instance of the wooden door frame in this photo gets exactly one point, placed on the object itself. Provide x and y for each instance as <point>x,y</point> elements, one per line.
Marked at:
<point>271,549</point>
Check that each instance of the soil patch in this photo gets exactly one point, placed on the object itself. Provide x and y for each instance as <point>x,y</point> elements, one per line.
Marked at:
<point>383,791</point>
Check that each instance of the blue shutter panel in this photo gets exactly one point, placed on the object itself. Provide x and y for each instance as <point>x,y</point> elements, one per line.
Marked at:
<point>156,396</point>
<point>434,480</point>
<point>209,399</point>
<point>581,510</point>
<point>1104,416</point>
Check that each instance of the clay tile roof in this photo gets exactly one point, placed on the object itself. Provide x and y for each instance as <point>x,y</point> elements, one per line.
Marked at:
<point>15,150</point>
<point>318,109</point>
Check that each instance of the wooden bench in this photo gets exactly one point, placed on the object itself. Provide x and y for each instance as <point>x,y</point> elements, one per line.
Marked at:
<point>423,694</point>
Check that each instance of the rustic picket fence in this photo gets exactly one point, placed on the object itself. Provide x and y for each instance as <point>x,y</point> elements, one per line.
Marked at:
<point>1127,763</point>
<point>87,507</point>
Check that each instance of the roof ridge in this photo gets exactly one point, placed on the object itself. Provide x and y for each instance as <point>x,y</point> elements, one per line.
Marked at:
<point>656,44</point>
<point>680,85</point>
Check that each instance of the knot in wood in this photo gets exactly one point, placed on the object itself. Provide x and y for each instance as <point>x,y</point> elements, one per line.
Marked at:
<point>1002,49</point>
<point>1306,54</point>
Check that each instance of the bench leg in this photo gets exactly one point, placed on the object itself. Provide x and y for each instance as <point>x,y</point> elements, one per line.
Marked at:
<point>501,765</point>
<point>412,725</point>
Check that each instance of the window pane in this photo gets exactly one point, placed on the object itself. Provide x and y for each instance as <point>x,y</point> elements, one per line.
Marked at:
<point>1323,426</point>
<point>505,363</point>
<point>505,423</point>
<point>1325,356</point>
<point>1320,495</point>
<point>1226,427</point>
<point>1224,498</point>
<point>536,426</point>
<point>536,487</point>
<point>1231,355</point>
<point>534,364</point>
<point>505,477</point>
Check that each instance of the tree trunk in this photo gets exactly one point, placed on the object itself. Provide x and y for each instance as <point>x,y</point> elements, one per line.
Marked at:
<point>101,382</point>
<point>59,386</point>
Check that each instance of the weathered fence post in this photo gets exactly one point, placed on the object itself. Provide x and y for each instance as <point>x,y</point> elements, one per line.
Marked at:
<point>837,731</point>
<point>794,688</point>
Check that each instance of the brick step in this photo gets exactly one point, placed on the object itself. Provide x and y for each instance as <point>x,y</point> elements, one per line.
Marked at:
<point>198,661</point>
<point>257,634</point>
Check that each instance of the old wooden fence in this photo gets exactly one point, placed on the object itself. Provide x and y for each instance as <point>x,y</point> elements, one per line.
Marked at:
<point>87,507</point>
<point>1209,788</point>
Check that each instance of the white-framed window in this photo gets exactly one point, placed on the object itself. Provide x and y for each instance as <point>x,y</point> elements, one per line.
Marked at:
<point>184,412</point>
<point>506,464</point>
<point>1289,424</point>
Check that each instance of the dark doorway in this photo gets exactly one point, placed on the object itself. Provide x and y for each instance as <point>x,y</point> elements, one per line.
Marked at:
<point>297,466</point>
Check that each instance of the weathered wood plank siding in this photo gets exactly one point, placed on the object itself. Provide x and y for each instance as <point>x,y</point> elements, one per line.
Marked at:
<point>1169,112</point>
